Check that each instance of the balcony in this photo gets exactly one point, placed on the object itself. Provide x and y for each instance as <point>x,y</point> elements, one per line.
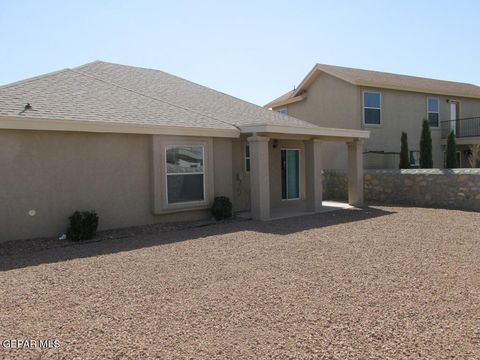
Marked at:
<point>463,128</point>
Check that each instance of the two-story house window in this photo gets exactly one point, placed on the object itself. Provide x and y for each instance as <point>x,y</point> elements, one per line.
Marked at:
<point>371,108</point>
<point>433,111</point>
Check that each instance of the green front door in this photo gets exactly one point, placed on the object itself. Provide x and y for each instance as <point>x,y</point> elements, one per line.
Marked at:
<point>290,174</point>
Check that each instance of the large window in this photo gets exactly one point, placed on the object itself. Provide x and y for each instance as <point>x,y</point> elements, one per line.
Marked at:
<point>185,173</point>
<point>283,110</point>
<point>371,107</point>
<point>433,111</point>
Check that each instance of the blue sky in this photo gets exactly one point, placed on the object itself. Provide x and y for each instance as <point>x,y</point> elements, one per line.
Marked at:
<point>255,50</point>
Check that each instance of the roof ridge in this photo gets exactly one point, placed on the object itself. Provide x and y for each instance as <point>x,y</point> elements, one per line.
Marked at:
<point>195,84</point>
<point>149,96</point>
<point>397,74</point>
<point>87,64</point>
<point>34,78</point>
<point>37,77</point>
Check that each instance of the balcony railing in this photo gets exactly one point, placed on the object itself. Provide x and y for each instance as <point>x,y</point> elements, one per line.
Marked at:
<point>468,127</point>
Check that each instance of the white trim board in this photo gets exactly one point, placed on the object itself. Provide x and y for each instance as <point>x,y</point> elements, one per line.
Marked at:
<point>313,131</point>
<point>24,123</point>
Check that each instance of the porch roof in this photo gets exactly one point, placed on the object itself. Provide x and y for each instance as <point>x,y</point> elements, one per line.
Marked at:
<point>310,132</point>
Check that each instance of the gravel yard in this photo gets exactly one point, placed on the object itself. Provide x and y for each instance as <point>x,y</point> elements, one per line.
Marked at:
<point>381,282</point>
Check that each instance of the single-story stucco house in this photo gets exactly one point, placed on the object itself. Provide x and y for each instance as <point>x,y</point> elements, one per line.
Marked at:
<point>140,146</point>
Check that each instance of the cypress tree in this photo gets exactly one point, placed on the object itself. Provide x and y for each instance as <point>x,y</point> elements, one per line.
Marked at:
<point>451,151</point>
<point>404,154</point>
<point>426,159</point>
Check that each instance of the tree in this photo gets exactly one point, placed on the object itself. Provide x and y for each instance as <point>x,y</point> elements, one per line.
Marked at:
<point>404,154</point>
<point>426,159</point>
<point>451,151</point>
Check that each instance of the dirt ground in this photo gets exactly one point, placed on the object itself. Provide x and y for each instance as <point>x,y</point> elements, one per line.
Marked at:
<point>380,282</point>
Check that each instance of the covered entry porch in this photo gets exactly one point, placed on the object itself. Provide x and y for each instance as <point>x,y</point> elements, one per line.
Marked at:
<point>286,168</point>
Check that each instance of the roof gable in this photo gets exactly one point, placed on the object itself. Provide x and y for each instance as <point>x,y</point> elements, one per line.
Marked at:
<point>360,77</point>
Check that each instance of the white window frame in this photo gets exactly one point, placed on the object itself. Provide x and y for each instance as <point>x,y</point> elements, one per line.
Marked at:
<point>167,147</point>
<point>433,112</point>
<point>247,158</point>
<point>159,201</point>
<point>369,107</point>
<point>283,110</point>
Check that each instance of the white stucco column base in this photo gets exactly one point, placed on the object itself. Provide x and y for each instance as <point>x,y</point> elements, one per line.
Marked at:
<point>313,175</point>
<point>259,177</point>
<point>355,172</point>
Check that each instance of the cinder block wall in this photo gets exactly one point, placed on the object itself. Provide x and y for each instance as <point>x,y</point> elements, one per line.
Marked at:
<point>455,188</point>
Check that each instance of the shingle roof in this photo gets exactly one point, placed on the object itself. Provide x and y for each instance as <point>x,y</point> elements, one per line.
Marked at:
<point>379,79</point>
<point>112,93</point>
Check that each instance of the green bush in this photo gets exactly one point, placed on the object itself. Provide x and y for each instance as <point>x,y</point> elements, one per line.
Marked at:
<point>404,154</point>
<point>426,157</point>
<point>83,225</point>
<point>222,208</point>
<point>451,151</point>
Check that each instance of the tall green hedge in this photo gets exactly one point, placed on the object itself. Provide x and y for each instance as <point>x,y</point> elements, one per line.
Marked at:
<point>404,154</point>
<point>426,159</point>
<point>451,151</point>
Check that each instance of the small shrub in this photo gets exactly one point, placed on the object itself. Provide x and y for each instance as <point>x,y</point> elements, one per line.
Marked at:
<point>83,225</point>
<point>222,208</point>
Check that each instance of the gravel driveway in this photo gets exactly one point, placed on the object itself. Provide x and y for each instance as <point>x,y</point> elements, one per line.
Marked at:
<point>381,282</point>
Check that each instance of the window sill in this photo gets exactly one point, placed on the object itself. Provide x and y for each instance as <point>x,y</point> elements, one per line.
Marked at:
<point>170,209</point>
<point>374,126</point>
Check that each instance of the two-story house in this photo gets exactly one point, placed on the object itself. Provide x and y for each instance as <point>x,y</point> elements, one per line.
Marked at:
<point>386,104</point>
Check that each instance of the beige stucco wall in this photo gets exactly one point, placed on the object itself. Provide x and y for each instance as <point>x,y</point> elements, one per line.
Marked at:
<point>241,178</point>
<point>401,111</point>
<point>468,107</point>
<point>332,102</point>
<point>275,162</point>
<point>223,167</point>
<point>404,111</point>
<point>56,173</point>
<point>335,103</point>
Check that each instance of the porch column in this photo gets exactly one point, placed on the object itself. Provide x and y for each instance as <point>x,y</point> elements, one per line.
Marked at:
<point>355,172</point>
<point>313,175</point>
<point>259,177</point>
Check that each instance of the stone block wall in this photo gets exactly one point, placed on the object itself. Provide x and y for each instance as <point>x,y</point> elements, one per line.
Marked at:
<point>446,188</point>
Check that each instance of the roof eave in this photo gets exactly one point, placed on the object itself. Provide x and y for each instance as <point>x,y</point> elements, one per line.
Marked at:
<point>309,131</point>
<point>285,102</point>
<point>417,90</point>
<point>28,123</point>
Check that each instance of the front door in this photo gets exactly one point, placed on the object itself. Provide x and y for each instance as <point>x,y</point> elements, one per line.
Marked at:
<point>290,174</point>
